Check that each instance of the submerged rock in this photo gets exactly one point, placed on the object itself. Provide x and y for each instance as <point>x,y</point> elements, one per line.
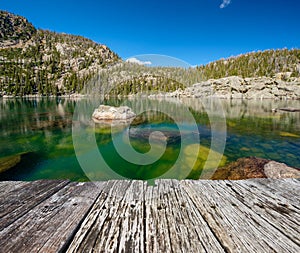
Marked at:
<point>106,113</point>
<point>19,166</point>
<point>159,136</point>
<point>287,134</point>
<point>253,167</point>
<point>9,162</point>
<point>206,160</point>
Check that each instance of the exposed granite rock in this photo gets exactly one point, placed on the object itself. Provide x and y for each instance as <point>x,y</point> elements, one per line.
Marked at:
<point>110,113</point>
<point>243,88</point>
<point>14,29</point>
<point>253,167</point>
<point>280,170</point>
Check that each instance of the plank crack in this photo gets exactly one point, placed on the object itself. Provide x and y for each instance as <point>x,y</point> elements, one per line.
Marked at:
<point>224,247</point>
<point>76,229</point>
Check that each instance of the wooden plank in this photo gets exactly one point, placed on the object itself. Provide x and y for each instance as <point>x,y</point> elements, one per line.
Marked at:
<point>115,223</point>
<point>260,215</point>
<point>163,221</point>
<point>273,209</point>
<point>174,224</point>
<point>132,232</point>
<point>50,226</point>
<point>238,227</point>
<point>289,189</point>
<point>22,198</point>
<point>8,186</point>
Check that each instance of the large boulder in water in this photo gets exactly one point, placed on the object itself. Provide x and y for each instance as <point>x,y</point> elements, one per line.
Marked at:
<point>109,113</point>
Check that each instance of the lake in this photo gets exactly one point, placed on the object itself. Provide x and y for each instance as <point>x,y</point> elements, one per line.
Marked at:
<point>55,138</point>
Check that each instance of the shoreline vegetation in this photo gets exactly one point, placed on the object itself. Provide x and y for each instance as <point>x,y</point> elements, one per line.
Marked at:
<point>232,87</point>
<point>225,88</point>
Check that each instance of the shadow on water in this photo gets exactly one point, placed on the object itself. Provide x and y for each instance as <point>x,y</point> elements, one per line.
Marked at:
<point>25,166</point>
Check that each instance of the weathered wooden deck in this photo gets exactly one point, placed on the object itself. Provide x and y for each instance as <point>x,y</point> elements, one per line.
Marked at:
<point>259,215</point>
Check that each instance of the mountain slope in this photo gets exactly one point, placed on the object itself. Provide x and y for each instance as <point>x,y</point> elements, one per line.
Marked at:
<point>266,63</point>
<point>44,62</point>
<point>14,29</point>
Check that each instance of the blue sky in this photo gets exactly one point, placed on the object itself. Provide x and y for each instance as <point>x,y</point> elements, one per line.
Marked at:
<point>196,31</point>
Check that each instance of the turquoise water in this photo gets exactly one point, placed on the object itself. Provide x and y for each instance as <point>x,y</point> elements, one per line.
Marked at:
<point>38,132</point>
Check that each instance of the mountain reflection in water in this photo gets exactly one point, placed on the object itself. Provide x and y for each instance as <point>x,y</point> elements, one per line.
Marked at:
<point>36,137</point>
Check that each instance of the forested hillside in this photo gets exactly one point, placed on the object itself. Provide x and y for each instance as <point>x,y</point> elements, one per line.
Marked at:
<point>130,78</point>
<point>266,63</point>
<point>46,63</point>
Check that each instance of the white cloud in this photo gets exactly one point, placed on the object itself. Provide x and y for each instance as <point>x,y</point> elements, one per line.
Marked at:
<point>225,4</point>
<point>137,61</point>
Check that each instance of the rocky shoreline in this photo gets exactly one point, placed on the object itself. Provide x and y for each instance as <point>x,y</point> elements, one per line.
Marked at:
<point>254,167</point>
<point>235,87</point>
<point>232,87</point>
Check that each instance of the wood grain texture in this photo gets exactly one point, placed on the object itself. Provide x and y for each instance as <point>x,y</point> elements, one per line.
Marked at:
<point>22,197</point>
<point>8,186</point>
<point>49,226</point>
<point>259,215</point>
<point>173,222</point>
<point>287,188</point>
<point>115,223</point>
<point>238,225</point>
<point>272,208</point>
